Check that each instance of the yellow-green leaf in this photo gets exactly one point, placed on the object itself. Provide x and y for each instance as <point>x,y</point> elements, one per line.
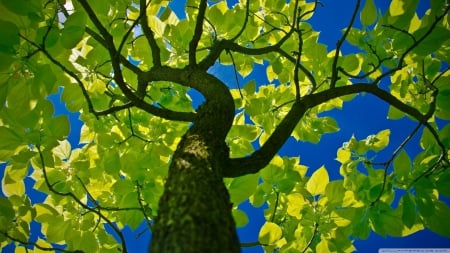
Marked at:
<point>382,139</point>
<point>240,217</point>
<point>318,182</point>
<point>269,233</point>
<point>295,204</point>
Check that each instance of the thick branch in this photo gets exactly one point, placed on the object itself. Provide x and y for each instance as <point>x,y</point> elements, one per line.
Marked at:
<point>260,158</point>
<point>118,75</point>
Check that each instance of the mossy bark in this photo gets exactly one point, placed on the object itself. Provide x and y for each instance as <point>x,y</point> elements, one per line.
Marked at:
<point>195,211</point>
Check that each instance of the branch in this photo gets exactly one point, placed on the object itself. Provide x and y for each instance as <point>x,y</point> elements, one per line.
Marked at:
<point>197,33</point>
<point>144,207</point>
<point>251,244</point>
<point>133,134</point>
<point>260,158</point>
<point>65,70</point>
<point>334,68</point>
<point>315,232</point>
<point>135,69</point>
<point>148,33</point>
<point>35,245</point>
<point>391,159</point>
<point>77,200</point>
<point>244,25</point>
<point>230,45</point>
<point>118,76</point>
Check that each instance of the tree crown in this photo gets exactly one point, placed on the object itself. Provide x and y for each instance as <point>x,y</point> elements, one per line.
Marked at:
<point>131,70</point>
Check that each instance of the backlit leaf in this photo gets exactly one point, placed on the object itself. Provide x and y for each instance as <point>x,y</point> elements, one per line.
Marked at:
<point>242,187</point>
<point>368,13</point>
<point>318,181</point>
<point>269,233</point>
<point>409,211</point>
<point>240,217</point>
<point>73,30</point>
<point>437,222</point>
<point>402,165</point>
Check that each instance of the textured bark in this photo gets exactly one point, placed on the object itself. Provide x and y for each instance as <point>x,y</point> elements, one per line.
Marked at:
<point>195,211</point>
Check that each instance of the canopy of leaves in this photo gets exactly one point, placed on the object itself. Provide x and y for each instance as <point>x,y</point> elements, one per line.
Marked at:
<point>117,64</point>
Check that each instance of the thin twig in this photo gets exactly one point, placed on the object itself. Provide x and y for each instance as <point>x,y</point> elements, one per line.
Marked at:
<point>334,68</point>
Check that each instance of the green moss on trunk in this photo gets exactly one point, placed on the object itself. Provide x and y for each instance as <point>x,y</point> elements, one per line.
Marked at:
<point>195,211</point>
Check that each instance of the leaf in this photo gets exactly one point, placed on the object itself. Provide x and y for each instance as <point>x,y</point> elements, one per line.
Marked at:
<point>63,150</point>
<point>89,242</point>
<point>382,139</point>
<point>442,184</point>
<point>409,210</point>
<point>240,217</point>
<point>443,104</point>
<point>269,233</point>
<point>402,165</point>
<point>73,30</point>
<point>13,188</point>
<point>7,212</point>
<point>368,13</point>
<point>242,188</point>
<point>274,171</point>
<point>343,155</point>
<point>21,7</point>
<point>438,221</point>
<point>10,37</point>
<point>318,181</point>
<point>361,228</point>
<point>9,144</point>
<point>425,204</point>
<point>59,127</point>
<point>295,204</point>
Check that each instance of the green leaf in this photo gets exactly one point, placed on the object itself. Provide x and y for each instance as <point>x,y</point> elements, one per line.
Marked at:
<point>9,144</point>
<point>73,30</point>
<point>7,212</point>
<point>59,127</point>
<point>318,181</point>
<point>240,217</point>
<point>368,13</point>
<point>242,188</point>
<point>22,7</point>
<point>361,228</point>
<point>269,233</point>
<point>258,198</point>
<point>442,184</point>
<point>409,210</point>
<point>425,204</point>
<point>89,242</point>
<point>402,165</point>
<point>274,171</point>
<point>443,104</point>
<point>73,97</point>
<point>438,221</point>
<point>10,37</point>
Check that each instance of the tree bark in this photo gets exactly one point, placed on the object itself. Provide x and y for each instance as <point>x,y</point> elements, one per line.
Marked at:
<point>195,211</point>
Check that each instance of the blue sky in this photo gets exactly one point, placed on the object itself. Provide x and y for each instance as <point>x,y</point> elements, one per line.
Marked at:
<point>362,116</point>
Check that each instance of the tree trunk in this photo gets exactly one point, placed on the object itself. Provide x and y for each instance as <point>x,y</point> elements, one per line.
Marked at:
<point>195,211</point>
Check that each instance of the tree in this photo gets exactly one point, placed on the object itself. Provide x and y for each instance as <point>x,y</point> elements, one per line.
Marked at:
<point>147,154</point>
